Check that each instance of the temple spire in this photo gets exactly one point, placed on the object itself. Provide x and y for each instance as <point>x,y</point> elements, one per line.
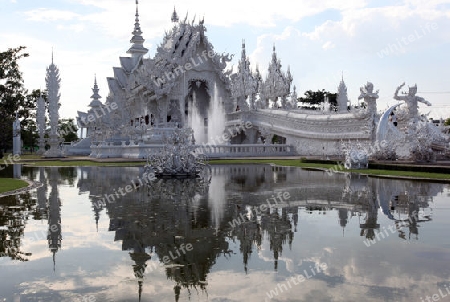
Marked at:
<point>342,97</point>
<point>274,54</point>
<point>243,55</point>
<point>174,17</point>
<point>137,49</point>
<point>95,96</point>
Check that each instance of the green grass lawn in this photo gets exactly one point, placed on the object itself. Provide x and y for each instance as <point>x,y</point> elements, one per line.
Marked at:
<point>30,156</point>
<point>299,163</point>
<point>280,162</point>
<point>10,184</point>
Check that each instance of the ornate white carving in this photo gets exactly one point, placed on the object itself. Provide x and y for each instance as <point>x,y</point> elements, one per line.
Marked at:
<point>244,85</point>
<point>52,81</point>
<point>277,85</point>
<point>342,98</point>
<point>177,158</point>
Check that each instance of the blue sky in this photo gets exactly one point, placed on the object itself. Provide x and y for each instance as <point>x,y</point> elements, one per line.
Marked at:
<point>385,42</point>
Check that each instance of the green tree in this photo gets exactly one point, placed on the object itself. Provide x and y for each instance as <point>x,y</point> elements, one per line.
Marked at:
<point>317,97</point>
<point>29,131</point>
<point>12,94</point>
<point>68,130</point>
<point>447,122</point>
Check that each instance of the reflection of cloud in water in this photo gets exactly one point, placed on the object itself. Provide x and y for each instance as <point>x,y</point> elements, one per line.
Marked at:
<point>140,225</point>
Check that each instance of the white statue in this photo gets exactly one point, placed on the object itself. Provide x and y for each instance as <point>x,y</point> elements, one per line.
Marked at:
<point>369,97</point>
<point>411,101</point>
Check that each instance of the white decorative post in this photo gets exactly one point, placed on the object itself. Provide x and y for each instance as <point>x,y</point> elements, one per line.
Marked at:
<point>52,81</point>
<point>16,137</point>
<point>40,121</point>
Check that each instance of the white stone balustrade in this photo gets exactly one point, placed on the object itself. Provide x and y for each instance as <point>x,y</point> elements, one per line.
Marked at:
<point>245,150</point>
<point>140,151</point>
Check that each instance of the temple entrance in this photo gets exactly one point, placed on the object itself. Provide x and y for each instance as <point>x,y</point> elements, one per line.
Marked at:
<point>197,104</point>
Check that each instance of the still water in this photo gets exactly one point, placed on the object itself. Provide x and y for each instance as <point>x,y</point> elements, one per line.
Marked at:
<point>250,233</point>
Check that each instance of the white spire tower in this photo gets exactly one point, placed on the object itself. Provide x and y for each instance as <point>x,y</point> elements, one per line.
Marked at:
<point>52,81</point>
<point>137,50</point>
<point>95,96</point>
<point>342,98</point>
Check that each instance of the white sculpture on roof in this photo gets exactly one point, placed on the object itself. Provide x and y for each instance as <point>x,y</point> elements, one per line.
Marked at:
<point>277,86</point>
<point>244,84</point>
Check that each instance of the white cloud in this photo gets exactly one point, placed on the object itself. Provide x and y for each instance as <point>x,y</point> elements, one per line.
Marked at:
<point>316,56</point>
<point>328,45</point>
<point>48,15</point>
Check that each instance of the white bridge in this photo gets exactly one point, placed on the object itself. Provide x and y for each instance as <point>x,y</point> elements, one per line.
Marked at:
<point>308,131</point>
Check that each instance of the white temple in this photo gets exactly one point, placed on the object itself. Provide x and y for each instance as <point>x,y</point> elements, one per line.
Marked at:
<point>187,84</point>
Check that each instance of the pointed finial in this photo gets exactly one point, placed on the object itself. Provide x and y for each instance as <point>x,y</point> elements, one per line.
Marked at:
<point>174,17</point>
<point>137,49</point>
<point>52,55</point>
<point>137,11</point>
<point>273,47</point>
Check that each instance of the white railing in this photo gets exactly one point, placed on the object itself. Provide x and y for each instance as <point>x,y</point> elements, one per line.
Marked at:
<point>140,150</point>
<point>245,150</point>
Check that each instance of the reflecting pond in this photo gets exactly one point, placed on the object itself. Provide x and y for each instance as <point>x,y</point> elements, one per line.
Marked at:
<point>250,233</point>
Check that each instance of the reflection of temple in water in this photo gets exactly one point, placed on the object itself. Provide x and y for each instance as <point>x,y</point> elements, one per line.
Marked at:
<point>158,220</point>
<point>54,214</point>
<point>155,221</point>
